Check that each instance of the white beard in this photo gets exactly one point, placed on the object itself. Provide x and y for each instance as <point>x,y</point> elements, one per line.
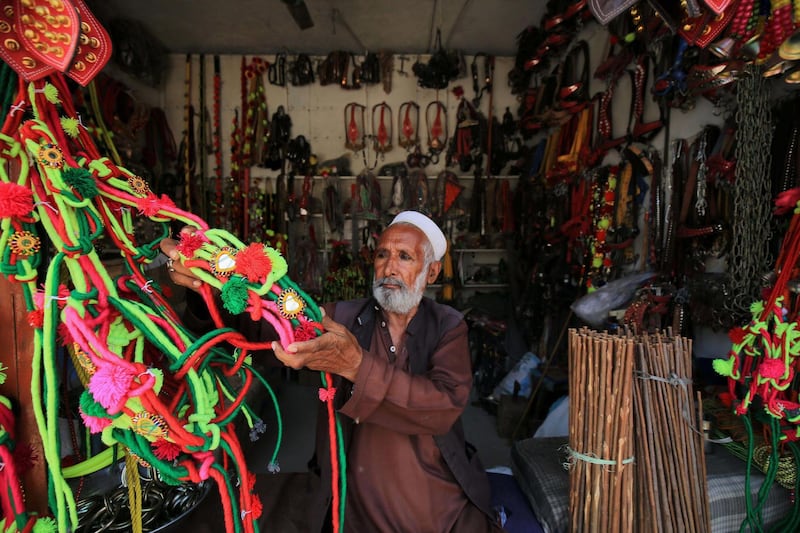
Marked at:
<point>401,300</point>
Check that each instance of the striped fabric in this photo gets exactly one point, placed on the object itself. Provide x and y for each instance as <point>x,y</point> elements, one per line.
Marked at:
<point>537,465</point>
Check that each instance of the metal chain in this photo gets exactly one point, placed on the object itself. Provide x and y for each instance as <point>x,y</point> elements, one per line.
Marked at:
<point>749,255</point>
<point>701,203</point>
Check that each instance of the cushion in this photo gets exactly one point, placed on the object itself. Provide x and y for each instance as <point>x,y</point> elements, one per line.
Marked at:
<point>537,465</point>
<point>509,498</point>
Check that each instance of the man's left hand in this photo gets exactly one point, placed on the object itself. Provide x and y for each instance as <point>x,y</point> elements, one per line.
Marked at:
<point>336,351</point>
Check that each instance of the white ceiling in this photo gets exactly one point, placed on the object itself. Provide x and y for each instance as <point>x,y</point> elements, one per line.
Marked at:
<point>265,26</point>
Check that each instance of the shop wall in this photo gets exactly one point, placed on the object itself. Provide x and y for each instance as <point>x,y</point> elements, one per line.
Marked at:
<point>317,111</point>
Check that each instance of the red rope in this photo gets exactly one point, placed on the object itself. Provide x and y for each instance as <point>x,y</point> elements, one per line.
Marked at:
<point>237,401</point>
<point>224,498</point>
<point>246,481</point>
<point>329,394</point>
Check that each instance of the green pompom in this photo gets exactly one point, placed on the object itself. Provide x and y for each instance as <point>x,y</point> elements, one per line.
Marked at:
<point>724,367</point>
<point>234,295</point>
<point>70,126</point>
<point>51,93</point>
<point>45,525</point>
<point>81,180</point>
<point>90,407</point>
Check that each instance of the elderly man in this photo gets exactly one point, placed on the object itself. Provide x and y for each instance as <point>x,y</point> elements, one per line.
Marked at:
<point>404,378</point>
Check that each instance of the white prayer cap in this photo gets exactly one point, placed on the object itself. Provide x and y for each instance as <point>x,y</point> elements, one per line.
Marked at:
<point>428,227</point>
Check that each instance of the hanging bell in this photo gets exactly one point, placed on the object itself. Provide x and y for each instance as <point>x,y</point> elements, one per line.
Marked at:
<point>723,48</point>
<point>790,48</point>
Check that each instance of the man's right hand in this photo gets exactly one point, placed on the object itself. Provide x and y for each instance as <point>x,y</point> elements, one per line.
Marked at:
<point>178,273</point>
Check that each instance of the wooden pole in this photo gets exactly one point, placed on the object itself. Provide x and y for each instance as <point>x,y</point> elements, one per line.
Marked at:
<point>18,339</point>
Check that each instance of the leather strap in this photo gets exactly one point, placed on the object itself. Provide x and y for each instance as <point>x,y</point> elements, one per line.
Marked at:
<point>334,214</point>
<point>408,132</point>
<point>436,120</point>
<point>276,71</point>
<point>354,126</point>
<point>642,131</point>
<point>383,132</point>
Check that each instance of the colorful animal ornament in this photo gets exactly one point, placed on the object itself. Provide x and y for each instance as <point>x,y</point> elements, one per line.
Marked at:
<point>164,394</point>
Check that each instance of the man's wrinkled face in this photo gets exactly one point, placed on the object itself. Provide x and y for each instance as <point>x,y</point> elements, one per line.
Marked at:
<point>401,274</point>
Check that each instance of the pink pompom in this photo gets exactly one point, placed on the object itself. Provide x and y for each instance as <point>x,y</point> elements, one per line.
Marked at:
<point>95,424</point>
<point>772,368</point>
<point>110,385</point>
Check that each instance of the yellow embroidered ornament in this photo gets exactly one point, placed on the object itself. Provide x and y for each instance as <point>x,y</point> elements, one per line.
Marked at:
<point>51,155</point>
<point>138,185</point>
<point>223,262</point>
<point>24,243</point>
<point>142,462</point>
<point>290,305</point>
<point>83,360</point>
<point>149,425</point>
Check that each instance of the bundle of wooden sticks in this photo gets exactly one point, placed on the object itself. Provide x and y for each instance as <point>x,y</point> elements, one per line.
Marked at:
<point>635,452</point>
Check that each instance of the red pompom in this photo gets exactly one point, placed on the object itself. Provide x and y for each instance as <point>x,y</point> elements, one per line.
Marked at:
<point>253,262</point>
<point>727,399</point>
<point>736,335</point>
<point>64,335</point>
<point>151,204</point>
<point>786,201</point>
<point>63,294</point>
<point>166,450</point>
<point>24,457</point>
<point>190,243</point>
<point>307,331</point>
<point>36,318</point>
<point>258,508</point>
<point>15,200</point>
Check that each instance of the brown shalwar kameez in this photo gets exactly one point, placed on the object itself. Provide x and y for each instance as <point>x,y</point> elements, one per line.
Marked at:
<point>397,479</point>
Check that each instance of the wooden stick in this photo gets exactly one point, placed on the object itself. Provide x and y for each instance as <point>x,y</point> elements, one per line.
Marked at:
<point>662,488</point>
<point>705,504</point>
